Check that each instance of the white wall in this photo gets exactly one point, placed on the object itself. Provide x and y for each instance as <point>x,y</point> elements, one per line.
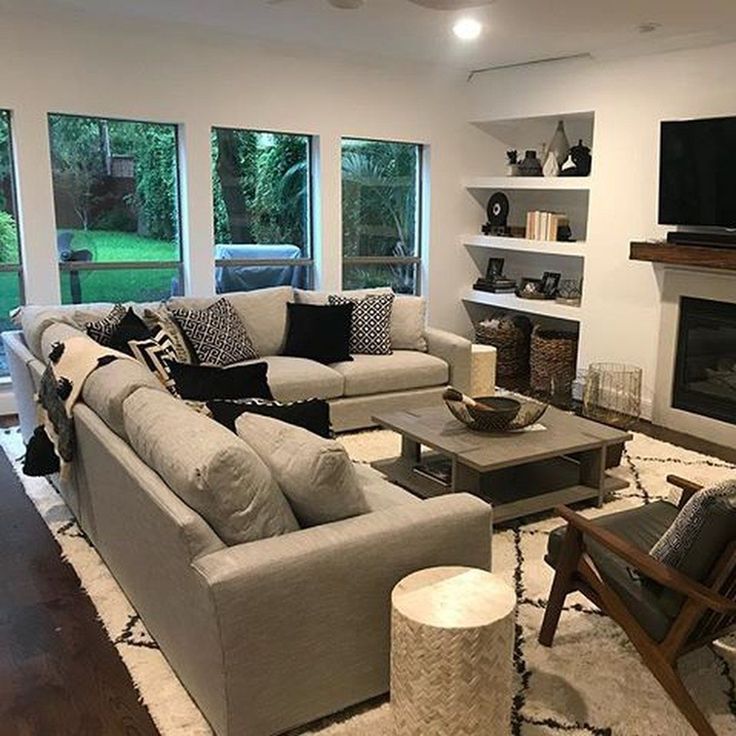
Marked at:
<point>630,97</point>
<point>175,75</point>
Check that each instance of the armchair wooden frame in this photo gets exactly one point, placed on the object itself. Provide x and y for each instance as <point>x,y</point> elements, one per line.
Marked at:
<point>708,613</point>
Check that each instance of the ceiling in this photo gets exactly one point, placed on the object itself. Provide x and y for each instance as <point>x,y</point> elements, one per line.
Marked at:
<point>514,30</point>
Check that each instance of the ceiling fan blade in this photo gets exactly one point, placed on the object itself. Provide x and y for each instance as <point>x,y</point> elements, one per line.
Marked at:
<point>450,4</point>
<point>346,4</point>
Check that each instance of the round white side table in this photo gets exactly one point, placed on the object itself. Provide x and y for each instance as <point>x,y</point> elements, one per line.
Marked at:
<point>452,633</point>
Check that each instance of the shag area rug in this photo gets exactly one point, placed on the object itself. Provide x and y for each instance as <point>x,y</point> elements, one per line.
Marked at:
<point>591,683</point>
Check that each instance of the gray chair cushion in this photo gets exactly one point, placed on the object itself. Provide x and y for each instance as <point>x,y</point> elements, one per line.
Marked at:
<point>642,527</point>
<point>401,371</point>
<point>408,323</point>
<point>264,315</point>
<point>208,467</point>
<point>315,474</point>
<point>296,379</point>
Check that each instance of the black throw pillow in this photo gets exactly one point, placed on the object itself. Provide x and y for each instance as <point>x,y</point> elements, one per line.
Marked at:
<point>320,333</point>
<point>206,382</point>
<point>41,458</point>
<point>312,414</point>
<point>130,327</point>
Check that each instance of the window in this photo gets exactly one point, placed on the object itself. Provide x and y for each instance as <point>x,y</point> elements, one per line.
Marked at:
<point>11,282</point>
<point>381,214</point>
<point>262,206</point>
<point>116,196</point>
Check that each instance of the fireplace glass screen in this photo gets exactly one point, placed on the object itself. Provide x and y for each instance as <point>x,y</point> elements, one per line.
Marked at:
<point>705,370</point>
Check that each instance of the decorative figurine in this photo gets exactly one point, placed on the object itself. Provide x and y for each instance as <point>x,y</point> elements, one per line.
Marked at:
<point>581,161</point>
<point>559,145</point>
<point>531,165</point>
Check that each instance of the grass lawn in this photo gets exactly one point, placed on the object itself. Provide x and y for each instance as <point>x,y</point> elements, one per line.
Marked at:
<point>127,284</point>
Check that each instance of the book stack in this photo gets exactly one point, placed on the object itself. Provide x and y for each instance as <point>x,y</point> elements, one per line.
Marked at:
<point>498,285</point>
<point>544,225</point>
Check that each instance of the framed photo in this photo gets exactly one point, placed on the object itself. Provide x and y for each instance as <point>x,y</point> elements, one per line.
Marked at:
<point>550,284</point>
<point>494,269</point>
<point>530,289</point>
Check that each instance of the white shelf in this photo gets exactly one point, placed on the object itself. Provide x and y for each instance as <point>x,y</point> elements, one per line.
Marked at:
<point>531,306</point>
<point>565,183</point>
<point>525,245</point>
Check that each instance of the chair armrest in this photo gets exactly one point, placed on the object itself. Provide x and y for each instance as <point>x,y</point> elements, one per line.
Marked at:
<point>456,351</point>
<point>689,489</point>
<point>647,565</point>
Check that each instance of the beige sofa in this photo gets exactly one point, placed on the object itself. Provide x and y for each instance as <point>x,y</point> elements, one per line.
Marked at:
<point>423,362</point>
<point>269,634</point>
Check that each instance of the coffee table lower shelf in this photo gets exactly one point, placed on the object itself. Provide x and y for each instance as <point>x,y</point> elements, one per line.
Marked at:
<point>522,498</point>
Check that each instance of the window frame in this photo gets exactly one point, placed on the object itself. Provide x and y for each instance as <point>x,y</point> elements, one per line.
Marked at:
<point>310,261</point>
<point>415,260</point>
<point>16,268</point>
<point>178,265</point>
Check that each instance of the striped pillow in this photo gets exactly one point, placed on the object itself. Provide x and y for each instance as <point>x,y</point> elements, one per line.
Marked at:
<point>156,353</point>
<point>102,330</point>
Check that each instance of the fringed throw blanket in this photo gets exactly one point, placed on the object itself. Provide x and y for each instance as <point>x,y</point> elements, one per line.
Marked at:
<point>70,364</point>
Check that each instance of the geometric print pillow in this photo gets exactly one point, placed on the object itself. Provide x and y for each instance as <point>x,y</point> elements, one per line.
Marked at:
<point>156,352</point>
<point>370,329</point>
<point>216,333</point>
<point>102,330</point>
<point>700,532</point>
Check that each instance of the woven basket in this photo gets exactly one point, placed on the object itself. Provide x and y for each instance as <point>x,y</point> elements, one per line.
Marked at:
<point>510,336</point>
<point>553,361</point>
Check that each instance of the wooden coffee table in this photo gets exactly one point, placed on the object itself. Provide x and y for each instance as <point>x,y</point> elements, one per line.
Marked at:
<point>520,473</point>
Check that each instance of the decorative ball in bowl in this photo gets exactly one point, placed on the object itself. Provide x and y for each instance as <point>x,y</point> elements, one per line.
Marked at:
<point>493,413</point>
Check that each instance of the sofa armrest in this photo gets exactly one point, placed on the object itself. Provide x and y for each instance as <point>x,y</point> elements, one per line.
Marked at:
<point>455,351</point>
<point>305,617</point>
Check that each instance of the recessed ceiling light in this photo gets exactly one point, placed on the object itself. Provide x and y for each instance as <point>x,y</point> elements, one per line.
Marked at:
<point>467,29</point>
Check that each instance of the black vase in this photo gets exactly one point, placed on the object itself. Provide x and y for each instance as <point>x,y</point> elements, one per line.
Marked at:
<point>531,165</point>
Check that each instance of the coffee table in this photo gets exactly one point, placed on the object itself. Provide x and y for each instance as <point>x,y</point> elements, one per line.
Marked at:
<point>520,473</point>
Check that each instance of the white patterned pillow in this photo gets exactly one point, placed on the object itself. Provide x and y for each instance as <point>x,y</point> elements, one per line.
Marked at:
<point>216,333</point>
<point>370,329</point>
<point>700,531</point>
<point>156,353</point>
<point>102,330</point>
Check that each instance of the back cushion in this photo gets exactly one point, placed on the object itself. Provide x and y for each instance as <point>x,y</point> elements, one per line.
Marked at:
<point>208,467</point>
<point>264,315</point>
<point>107,388</point>
<point>56,332</point>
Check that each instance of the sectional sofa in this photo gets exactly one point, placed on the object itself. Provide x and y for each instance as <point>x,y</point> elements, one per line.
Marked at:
<point>274,633</point>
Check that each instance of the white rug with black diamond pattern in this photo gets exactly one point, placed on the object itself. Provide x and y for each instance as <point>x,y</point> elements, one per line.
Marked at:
<point>591,683</point>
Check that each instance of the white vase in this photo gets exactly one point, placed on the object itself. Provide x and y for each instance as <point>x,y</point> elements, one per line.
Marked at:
<point>559,145</point>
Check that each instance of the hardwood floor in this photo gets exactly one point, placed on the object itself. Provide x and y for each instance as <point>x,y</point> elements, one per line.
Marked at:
<point>60,675</point>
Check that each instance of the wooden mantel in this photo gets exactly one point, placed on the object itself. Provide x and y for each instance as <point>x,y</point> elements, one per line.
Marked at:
<point>692,256</point>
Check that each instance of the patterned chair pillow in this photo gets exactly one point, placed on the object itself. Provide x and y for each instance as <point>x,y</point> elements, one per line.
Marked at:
<point>370,329</point>
<point>216,333</point>
<point>700,532</point>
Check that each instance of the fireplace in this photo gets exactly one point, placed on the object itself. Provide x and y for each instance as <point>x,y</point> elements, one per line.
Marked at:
<point>705,363</point>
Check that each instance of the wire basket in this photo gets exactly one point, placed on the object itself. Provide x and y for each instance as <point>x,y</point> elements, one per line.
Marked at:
<point>612,394</point>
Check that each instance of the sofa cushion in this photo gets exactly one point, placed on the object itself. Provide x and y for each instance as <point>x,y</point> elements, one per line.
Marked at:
<point>263,312</point>
<point>107,388</point>
<point>378,493</point>
<point>295,379</point>
<point>319,332</point>
<point>370,326</point>
<point>208,382</point>
<point>315,474</point>
<point>405,369</point>
<point>209,468</point>
<point>307,296</point>
<point>408,323</point>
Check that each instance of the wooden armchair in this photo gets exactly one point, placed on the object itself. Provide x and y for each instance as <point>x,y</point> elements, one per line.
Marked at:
<point>664,612</point>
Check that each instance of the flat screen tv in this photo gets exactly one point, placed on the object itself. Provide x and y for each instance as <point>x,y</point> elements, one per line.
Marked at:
<point>697,173</point>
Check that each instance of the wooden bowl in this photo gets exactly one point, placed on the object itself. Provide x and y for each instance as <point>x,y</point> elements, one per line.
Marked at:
<point>494,414</point>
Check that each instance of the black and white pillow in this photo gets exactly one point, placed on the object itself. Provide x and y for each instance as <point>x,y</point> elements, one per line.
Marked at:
<point>310,414</point>
<point>156,353</point>
<point>705,521</point>
<point>216,333</point>
<point>370,330</point>
<point>102,330</point>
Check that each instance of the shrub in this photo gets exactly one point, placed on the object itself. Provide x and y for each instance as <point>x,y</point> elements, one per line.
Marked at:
<point>8,238</point>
